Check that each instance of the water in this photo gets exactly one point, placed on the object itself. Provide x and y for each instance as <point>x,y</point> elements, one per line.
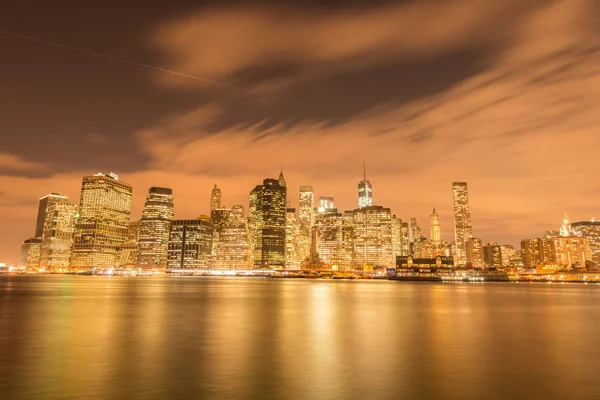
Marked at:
<point>69,337</point>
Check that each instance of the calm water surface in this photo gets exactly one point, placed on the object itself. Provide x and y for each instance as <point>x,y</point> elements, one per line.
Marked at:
<point>67,337</point>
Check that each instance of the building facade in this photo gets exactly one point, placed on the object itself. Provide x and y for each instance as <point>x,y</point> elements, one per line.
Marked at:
<point>30,254</point>
<point>154,227</point>
<point>45,202</point>
<point>190,245</point>
<point>57,237</point>
<point>372,238</point>
<point>463,229</point>
<point>102,225</point>
<point>474,252</point>
<point>233,248</point>
<point>591,231</point>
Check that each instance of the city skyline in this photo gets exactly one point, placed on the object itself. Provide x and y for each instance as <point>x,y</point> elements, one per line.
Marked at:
<point>502,97</point>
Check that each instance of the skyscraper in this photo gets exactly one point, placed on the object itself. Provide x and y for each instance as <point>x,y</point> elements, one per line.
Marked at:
<point>233,249</point>
<point>292,231</point>
<point>474,252</point>
<point>154,228</point>
<point>190,244</point>
<point>365,191</point>
<point>591,231</point>
<point>30,254</point>
<point>326,204</point>
<point>45,202</point>
<point>329,226</point>
<point>57,237</point>
<point>268,223</point>
<point>492,255</point>
<point>435,233</point>
<point>348,233</point>
<point>306,211</point>
<point>373,237</point>
<point>462,220</point>
<point>215,199</point>
<point>103,221</point>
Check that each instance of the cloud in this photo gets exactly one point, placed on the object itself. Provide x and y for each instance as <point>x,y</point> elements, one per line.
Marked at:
<point>10,163</point>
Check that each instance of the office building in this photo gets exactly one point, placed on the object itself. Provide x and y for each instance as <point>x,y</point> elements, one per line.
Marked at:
<point>591,231</point>
<point>102,225</point>
<point>463,230</point>
<point>330,246</point>
<point>326,204</point>
<point>306,209</point>
<point>492,255</point>
<point>153,240</point>
<point>435,233</point>
<point>373,238</point>
<point>474,252</point>
<point>267,222</point>
<point>30,254</point>
<point>292,232</point>
<point>215,199</point>
<point>44,203</point>
<point>233,248</point>
<point>365,191</point>
<point>57,236</point>
<point>190,245</point>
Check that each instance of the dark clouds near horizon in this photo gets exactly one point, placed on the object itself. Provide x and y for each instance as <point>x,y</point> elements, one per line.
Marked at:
<point>501,93</point>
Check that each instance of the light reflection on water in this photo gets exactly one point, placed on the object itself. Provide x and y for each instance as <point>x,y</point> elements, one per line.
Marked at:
<point>66,337</point>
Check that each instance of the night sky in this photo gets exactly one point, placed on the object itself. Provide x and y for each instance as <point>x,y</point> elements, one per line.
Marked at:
<point>503,94</point>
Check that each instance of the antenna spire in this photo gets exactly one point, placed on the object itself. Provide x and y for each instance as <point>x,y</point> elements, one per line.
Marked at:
<point>365,169</point>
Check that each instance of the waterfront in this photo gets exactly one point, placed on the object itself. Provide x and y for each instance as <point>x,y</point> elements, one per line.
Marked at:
<point>96,337</point>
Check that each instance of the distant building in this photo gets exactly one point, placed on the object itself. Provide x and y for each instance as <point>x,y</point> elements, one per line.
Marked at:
<point>492,254</point>
<point>233,249</point>
<point>103,222</point>
<point>44,203</point>
<point>591,231</point>
<point>57,236</point>
<point>153,240</point>
<point>292,233</point>
<point>267,223</point>
<point>30,254</point>
<point>435,233</point>
<point>190,244</point>
<point>373,237</point>
<point>365,191</point>
<point>474,252</point>
<point>330,246</point>
<point>556,251</point>
<point>215,199</point>
<point>326,204</point>
<point>463,230</point>
<point>306,210</point>
<point>435,262</point>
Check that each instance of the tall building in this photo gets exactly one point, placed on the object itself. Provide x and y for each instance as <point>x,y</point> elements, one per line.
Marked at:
<point>396,237</point>
<point>373,237</point>
<point>414,231</point>
<point>306,210</point>
<point>215,199</point>
<point>268,223</point>
<point>348,234</point>
<point>532,252</point>
<point>233,248</point>
<point>591,231</point>
<point>190,244</point>
<point>565,229</point>
<point>463,230</point>
<point>30,254</point>
<point>57,236</point>
<point>365,191</point>
<point>435,233</point>
<point>492,255</point>
<point>404,235</point>
<point>153,240</point>
<point>330,246</point>
<point>45,202</point>
<point>474,252</point>
<point>102,225</point>
<point>326,204</point>
<point>292,232</point>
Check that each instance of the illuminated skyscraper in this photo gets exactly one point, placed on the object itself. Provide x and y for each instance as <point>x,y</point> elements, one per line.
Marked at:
<point>396,236</point>
<point>348,240</point>
<point>306,211</point>
<point>373,237</point>
<point>462,221</point>
<point>474,252</point>
<point>414,231</point>
<point>30,254</point>
<point>215,199</point>
<point>268,223</point>
<point>103,223</point>
<point>57,237</point>
<point>565,229</point>
<point>219,218</point>
<point>292,229</point>
<point>326,204</point>
<point>435,233</point>
<point>45,202</point>
<point>153,240</point>
<point>492,254</point>
<point>405,246</point>
<point>365,191</point>
<point>190,244</point>
<point>233,249</point>
<point>330,245</point>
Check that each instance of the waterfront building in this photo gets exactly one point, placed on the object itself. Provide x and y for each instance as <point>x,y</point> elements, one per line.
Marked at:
<point>190,244</point>
<point>153,240</point>
<point>329,227</point>
<point>474,252</point>
<point>463,230</point>
<point>30,254</point>
<point>102,225</point>
<point>57,236</point>
<point>348,234</point>
<point>532,252</point>
<point>365,191</point>
<point>233,249</point>
<point>215,199</point>
<point>292,232</point>
<point>44,203</point>
<point>591,231</point>
<point>372,237</point>
<point>218,218</point>
<point>564,252</point>
<point>492,255</point>
<point>306,209</point>
<point>268,223</point>
<point>396,236</point>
